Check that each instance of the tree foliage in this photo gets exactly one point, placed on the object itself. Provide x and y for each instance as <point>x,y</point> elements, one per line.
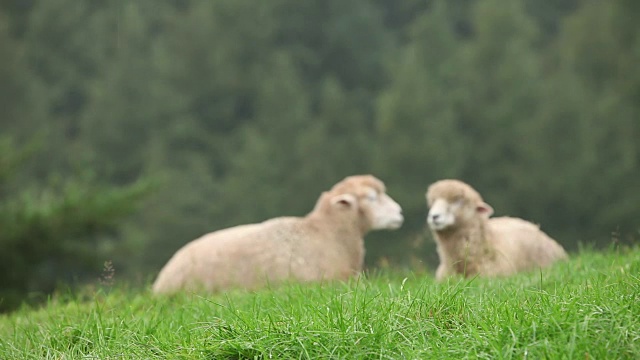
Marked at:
<point>59,231</point>
<point>246,110</point>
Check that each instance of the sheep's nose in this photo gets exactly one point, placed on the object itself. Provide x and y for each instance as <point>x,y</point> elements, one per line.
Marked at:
<point>435,217</point>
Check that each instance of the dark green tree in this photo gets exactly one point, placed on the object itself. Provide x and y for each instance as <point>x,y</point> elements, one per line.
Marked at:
<point>500,72</point>
<point>286,107</point>
<point>591,109</point>
<point>246,110</point>
<point>60,232</point>
<point>417,137</point>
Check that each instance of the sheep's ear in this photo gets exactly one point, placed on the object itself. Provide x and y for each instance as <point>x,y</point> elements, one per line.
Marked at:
<point>485,209</point>
<point>344,200</point>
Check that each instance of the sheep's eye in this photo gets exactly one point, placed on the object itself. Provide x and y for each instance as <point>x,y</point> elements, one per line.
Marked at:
<point>458,203</point>
<point>372,196</point>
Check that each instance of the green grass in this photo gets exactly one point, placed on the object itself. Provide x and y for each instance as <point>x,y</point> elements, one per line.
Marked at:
<point>587,308</point>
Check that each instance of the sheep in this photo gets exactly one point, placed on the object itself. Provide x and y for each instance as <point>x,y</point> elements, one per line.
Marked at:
<point>326,244</point>
<point>471,243</point>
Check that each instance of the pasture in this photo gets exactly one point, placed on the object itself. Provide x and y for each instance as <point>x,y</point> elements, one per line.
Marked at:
<point>586,308</point>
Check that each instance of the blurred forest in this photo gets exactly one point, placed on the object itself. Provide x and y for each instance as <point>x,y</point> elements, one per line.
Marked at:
<point>131,127</point>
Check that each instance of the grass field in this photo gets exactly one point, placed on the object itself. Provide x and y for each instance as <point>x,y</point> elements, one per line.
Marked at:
<point>587,308</point>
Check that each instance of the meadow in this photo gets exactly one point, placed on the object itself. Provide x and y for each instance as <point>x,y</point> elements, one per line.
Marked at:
<point>586,308</point>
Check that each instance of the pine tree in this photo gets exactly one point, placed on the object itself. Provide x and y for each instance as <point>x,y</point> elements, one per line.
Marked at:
<point>56,233</point>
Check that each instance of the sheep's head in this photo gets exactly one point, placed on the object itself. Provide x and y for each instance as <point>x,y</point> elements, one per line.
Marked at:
<point>364,196</point>
<point>452,203</point>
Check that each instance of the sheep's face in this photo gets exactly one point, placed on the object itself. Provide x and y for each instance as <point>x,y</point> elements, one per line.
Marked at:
<point>381,210</point>
<point>366,196</point>
<point>443,214</point>
<point>453,203</point>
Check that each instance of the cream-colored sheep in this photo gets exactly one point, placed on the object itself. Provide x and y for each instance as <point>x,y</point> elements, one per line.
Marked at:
<point>326,244</point>
<point>470,243</point>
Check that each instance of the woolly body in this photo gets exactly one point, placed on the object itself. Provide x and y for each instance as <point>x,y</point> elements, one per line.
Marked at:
<point>470,243</point>
<point>327,244</point>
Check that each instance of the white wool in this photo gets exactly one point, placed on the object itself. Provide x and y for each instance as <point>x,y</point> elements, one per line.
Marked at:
<point>326,244</point>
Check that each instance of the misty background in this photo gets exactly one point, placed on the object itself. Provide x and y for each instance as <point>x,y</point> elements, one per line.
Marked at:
<point>130,127</point>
